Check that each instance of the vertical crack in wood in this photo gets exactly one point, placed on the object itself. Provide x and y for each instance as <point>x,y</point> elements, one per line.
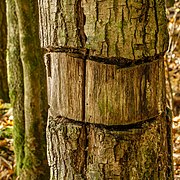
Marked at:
<point>84,85</point>
<point>48,64</point>
<point>97,12</point>
<point>115,9</point>
<point>157,27</point>
<point>106,38</point>
<point>170,170</point>
<point>144,15</point>
<point>80,22</point>
<point>122,27</point>
<point>128,8</point>
<point>82,162</point>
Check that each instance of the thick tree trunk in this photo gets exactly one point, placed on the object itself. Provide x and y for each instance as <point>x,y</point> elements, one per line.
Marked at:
<point>35,92</point>
<point>16,84</point>
<point>90,151</point>
<point>3,43</point>
<point>106,89</point>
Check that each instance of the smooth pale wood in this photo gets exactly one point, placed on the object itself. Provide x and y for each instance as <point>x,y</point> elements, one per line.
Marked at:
<point>65,86</point>
<point>117,96</point>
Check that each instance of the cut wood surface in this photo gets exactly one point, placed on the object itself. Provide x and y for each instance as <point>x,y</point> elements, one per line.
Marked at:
<point>65,87</point>
<point>105,93</point>
<point>123,95</point>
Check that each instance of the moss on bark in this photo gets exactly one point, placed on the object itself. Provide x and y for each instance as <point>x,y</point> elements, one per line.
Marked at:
<point>28,93</point>
<point>16,84</point>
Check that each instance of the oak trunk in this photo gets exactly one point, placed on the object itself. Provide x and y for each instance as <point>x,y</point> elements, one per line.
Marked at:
<point>106,89</point>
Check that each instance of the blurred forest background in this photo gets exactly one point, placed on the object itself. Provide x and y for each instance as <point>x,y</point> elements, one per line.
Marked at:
<point>172,63</point>
<point>172,71</point>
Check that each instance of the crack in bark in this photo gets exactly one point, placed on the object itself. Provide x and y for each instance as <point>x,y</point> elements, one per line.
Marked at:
<point>54,121</point>
<point>55,38</point>
<point>48,64</point>
<point>157,26</point>
<point>116,46</point>
<point>122,27</point>
<point>115,8</point>
<point>84,85</point>
<point>85,53</point>
<point>80,22</point>
<point>145,15</point>
<point>106,38</point>
<point>127,6</point>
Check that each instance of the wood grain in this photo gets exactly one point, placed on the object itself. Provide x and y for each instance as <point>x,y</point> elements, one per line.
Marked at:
<point>65,86</point>
<point>123,96</point>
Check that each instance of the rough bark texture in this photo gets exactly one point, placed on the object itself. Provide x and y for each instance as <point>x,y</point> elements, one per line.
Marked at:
<point>106,89</point>
<point>3,43</point>
<point>35,90</point>
<point>78,151</point>
<point>16,84</point>
<point>129,29</point>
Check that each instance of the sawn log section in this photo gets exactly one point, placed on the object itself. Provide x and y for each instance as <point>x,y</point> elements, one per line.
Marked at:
<point>107,91</point>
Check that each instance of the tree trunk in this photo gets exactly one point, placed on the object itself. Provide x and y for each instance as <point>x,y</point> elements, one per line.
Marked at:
<point>35,92</point>
<point>16,84</point>
<point>3,39</point>
<point>106,89</point>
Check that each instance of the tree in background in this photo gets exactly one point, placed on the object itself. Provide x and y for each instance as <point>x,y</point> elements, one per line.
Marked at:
<point>16,84</point>
<point>3,42</point>
<point>28,91</point>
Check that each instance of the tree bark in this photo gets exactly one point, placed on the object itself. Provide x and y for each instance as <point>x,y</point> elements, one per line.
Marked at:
<point>79,151</point>
<point>4,92</point>
<point>35,92</point>
<point>16,84</point>
<point>106,89</point>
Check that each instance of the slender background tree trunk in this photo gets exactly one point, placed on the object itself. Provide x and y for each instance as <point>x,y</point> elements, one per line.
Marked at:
<point>16,84</point>
<point>3,43</point>
<point>33,154</point>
